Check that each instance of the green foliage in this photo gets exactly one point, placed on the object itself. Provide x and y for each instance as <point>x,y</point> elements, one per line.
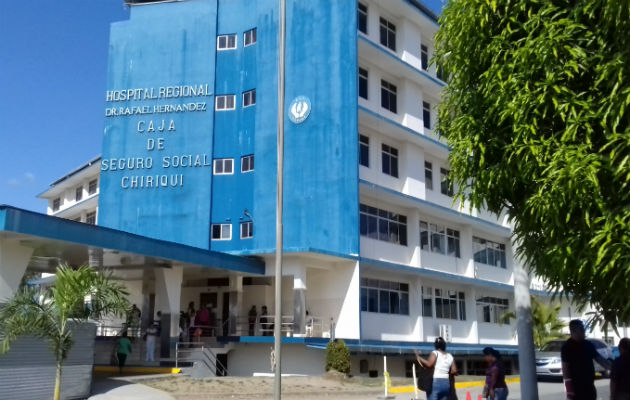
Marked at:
<point>536,113</point>
<point>338,356</point>
<point>78,294</point>
<point>547,325</point>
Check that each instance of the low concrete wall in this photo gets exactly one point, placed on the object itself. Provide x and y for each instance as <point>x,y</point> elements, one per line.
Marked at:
<point>27,371</point>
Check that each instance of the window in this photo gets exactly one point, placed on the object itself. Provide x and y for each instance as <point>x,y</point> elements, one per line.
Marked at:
<point>426,114</point>
<point>490,309</point>
<point>388,96</point>
<point>249,98</point>
<point>221,231</point>
<point>249,37</point>
<point>388,34</point>
<point>363,83</point>
<point>389,157</point>
<point>446,185</point>
<point>364,151</point>
<point>428,175</point>
<point>247,163</point>
<point>92,186</point>
<point>384,297</point>
<point>90,218</point>
<point>383,225</point>
<point>55,204</point>
<point>450,304</point>
<point>439,239</point>
<point>78,193</point>
<point>226,42</point>
<point>362,18</point>
<point>247,230</point>
<point>225,102</point>
<point>223,166</point>
<point>427,301</point>
<point>424,56</point>
<point>489,252</point>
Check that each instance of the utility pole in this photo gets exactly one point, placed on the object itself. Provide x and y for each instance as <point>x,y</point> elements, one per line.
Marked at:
<point>277,328</point>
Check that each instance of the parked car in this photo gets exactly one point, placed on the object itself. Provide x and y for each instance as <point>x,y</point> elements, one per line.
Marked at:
<point>548,362</point>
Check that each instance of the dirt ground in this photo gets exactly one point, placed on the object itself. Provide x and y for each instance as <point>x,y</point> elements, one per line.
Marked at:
<point>294,388</point>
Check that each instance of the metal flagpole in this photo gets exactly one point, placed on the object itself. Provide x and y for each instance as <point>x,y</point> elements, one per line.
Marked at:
<point>277,328</point>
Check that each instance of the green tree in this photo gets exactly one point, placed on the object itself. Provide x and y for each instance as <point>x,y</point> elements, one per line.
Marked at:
<point>77,294</point>
<point>338,356</point>
<point>536,114</point>
<point>546,324</point>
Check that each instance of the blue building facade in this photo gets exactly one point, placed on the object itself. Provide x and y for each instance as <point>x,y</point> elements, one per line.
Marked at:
<point>189,145</point>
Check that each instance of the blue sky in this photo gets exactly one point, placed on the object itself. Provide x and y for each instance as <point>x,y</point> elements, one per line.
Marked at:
<point>53,68</point>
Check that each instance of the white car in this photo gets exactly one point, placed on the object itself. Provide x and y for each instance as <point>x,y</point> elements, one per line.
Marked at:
<point>548,362</point>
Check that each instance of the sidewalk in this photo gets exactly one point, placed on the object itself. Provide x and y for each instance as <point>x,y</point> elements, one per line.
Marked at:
<point>123,388</point>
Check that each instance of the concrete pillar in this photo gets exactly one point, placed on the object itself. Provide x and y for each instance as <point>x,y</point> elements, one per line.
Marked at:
<point>413,237</point>
<point>299,301</point>
<point>168,288</point>
<point>410,105</point>
<point>471,315</point>
<point>412,169</point>
<point>145,307</point>
<point>409,43</point>
<point>236,304</point>
<point>466,251</point>
<point>14,259</point>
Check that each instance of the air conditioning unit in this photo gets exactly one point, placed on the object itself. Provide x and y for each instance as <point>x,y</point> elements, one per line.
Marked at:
<point>446,331</point>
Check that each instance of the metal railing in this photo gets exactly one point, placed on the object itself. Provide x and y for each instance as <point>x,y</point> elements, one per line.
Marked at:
<point>117,330</point>
<point>199,352</point>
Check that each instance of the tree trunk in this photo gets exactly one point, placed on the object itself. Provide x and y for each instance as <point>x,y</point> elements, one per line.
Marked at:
<point>57,395</point>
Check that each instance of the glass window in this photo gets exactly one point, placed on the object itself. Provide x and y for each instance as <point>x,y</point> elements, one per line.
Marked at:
<point>388,96</point>
<point>446,186</point>
<point>439,239</point>
<point>428,175</point>
<point>452,243</point>
<point>490,309</point>
<point>223,166</point>
<point>78,193</point>
<point>450,304</point>
<point>384,297</point>
<point>249,98</point>
<point>247,163</point>
<point>427,301</point>
<point>221,231</point>
<point>488,252</point>
<point>56,203</point>
<point>225,102</point>
<point>362,17</point>
<point>382,225</point>
<point>249,37</point>
<point>226,42</point>
<point>92,186</point>
<point>363,83</point>
<point>388,34</point>
<point>90,218</point>
<point>364,151</point>
<point>424,57</point>
<point>389,157</point>
<point>426,114</point>
<point>247,230</point>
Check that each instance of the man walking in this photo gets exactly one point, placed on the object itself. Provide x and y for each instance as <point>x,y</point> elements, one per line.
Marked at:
<point>578,371</point>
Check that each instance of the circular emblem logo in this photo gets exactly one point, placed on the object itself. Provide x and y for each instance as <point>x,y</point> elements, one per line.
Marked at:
<point>299,109</point>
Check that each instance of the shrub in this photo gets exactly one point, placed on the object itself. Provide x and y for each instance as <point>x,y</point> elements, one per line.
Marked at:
<point>338,356</point>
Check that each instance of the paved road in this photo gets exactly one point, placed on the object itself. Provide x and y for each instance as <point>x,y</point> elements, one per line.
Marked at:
<point>546,391</point>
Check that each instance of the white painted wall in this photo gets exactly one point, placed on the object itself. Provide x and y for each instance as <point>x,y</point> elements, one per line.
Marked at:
<point>248,358</point>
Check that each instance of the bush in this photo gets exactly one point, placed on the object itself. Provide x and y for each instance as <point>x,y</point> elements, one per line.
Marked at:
<point>338,356</point>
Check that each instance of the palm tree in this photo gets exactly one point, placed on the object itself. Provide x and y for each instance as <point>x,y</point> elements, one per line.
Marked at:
<point>77,294</point>
<point>546,324</point>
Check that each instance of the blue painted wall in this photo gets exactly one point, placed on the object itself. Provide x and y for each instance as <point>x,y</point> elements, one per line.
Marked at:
<point>321,166</point>
<point>161,45</point>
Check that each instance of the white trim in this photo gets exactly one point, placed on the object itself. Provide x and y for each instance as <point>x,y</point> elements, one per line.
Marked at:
<point>241,229</point>
<point>245,44</point>
<point>224,96</point>
<point>221,238</point>
<point>243,159</point>
<point>223,161</point>
<point>252,91</point>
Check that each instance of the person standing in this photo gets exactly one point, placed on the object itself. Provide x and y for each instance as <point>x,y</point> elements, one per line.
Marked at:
<point>151,336</point>
<point>620,374</point>
<point>495,375</point>
<point>251,319</point>
<point>264,324</point>
<point>577,355</point>
<point>133,320</point>
<point>444,370</point>
<point>123,349</point>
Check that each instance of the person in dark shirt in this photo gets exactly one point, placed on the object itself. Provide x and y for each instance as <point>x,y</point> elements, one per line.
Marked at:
<point>620,374</point>
<point>495,375</point>
<point>577,356</point>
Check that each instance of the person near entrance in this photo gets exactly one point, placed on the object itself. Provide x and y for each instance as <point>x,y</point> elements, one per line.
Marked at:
<point>577,357</point>
<point>151,336</point>
<point>444,370</point>
<point>251,319</point>
<point>123,350</point>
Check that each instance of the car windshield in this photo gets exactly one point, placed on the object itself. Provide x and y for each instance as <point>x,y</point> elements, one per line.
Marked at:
<point>553,346</point>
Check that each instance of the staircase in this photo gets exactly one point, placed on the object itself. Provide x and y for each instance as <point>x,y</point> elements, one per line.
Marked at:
<point>203,356</point>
